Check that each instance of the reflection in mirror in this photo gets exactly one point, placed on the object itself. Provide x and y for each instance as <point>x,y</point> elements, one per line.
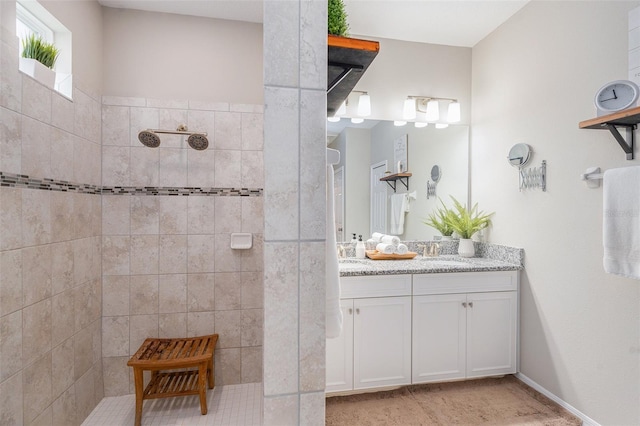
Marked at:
<point>435,173</point>
<point>519,155</point>
<point>366,153</point>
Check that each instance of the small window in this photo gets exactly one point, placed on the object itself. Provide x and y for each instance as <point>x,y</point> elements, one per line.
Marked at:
<point>33,18</point>
<point>27,23</point>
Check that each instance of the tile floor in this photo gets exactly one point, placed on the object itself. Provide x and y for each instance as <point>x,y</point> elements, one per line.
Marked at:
<point>230,405</point>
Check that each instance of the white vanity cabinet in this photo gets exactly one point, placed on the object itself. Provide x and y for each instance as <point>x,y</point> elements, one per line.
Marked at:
<point>374,349</point>
<point>464,325</point>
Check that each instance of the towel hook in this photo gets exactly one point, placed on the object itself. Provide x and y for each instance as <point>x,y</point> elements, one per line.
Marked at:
<point>592,176</point>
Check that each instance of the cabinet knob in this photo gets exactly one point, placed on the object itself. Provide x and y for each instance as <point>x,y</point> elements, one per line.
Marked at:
<point>471,304</point>
<point>464,304</point>
<point>358,311</point>
<point>350,311</point>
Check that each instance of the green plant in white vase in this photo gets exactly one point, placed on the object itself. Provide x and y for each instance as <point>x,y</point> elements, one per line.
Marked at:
<point>35,47</point>
<point>438,220</point>
<point>466,222</point>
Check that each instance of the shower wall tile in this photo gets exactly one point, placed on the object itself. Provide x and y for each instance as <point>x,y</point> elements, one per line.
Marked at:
<point>199,250</point>
<point>252,259</point>
<point>313,50</point>
<point>200,323</point>
<point>209,106</point>
<point>173,165</point>
<point>62,267</point>
<point>201,168</point>
<point>250,108</point>
<point>116,375</point>
<point>143,296</point>
<point>124,101</point>
<point>251,364</point>
<point>11,282</point>
<point>202,121</point>
<point>173,215</point>
<point>62,317</point>
<point>252,290</point>
<point>252,135</point>
<point>116,215</point>
<point>36,274</point>
<point>228,365</point>
<point>252,169</point>
<point>144,254</point>
<point>36,148</point>
<point>10,345</point>
<point>201,217</point>
<point>172,325</point>
<point>281,60</point>
<point>10,77</point>
<point>145,164</point>
<point>226,213</point>
<point>10,141</point>
<point>62,367</point>
<point>62,152</point>
<point>37,387</point>
<point>10,218</point>
<point>141,327</point>
<point>252,320</point>
<point>200,292</point>
<point>313,174</point>
<point>87,121</point>
<point>36,331</point>
<point>36,100</point>
<point>62,112</point>
<point>281,410</point>
<point>64,408</point>
<point>172,294</point>
<point>252,214</point>
<point>86,161</point>
<point>172,254</point>
<point>36,217</point>
<point>228,292</point>
<point>115,165</point>
<point>312,405</point>
<point>228,168</point>
<point>115,255</point>
<point>227,260</point>
<point>229,327</point>
<point>142,119</point>
<point>115,337</point>
<point>144,215</point>
<point>115,300</point>
<point>228,130</point>
<point>168,103</point>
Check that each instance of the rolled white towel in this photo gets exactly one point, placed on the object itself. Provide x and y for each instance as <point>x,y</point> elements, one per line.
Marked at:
<point>377,236</point>
<point>371,244</point>
<point>385,248</point>
<point>401,249</point>
<point>390,239</point>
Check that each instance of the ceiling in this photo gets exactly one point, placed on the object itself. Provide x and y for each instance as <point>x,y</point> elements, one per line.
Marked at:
<point>448,22</point>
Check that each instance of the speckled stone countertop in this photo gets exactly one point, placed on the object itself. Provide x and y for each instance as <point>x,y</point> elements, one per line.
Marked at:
<point>494,258</point>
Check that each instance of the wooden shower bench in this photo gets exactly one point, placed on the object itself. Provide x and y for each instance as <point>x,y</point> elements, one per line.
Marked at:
<point>157,355</point>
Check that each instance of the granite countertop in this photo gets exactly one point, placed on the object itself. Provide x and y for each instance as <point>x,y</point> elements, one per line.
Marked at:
<point>351,267</point>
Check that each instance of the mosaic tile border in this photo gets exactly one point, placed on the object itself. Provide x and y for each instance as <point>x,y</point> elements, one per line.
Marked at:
<point>24,181</point>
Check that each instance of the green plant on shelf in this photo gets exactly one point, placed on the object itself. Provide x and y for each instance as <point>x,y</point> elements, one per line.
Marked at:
<point>337,19</point>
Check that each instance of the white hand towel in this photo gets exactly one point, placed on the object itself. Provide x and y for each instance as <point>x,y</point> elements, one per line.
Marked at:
<point>333,323</point>
<point>377,236</point>
<point>621,222</point>
<point>390,239</point>
<point>401,249</point>
<point>398,209</point>
<point>385,248</point>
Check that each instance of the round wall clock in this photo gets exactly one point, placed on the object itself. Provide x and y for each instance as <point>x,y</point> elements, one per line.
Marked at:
<point>616,96</point>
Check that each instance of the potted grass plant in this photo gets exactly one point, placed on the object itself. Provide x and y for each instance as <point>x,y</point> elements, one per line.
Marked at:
<point>38,59</point>
<point>337,19</point>
<point>438,220</point>
<point>466,222</point>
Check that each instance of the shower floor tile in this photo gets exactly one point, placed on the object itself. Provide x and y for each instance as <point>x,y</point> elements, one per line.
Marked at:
<point>230,405</point>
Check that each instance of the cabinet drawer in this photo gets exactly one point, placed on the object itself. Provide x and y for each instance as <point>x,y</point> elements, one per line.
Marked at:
<point>465,282</point>
<point>375,286</point>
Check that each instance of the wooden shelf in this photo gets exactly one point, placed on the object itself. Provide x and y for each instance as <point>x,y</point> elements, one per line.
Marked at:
<point>348,59</point>
<point>627,119</point>
<point>392,179</point>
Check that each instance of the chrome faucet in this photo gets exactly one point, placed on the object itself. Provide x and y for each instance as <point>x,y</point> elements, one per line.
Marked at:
<point>430,249</point>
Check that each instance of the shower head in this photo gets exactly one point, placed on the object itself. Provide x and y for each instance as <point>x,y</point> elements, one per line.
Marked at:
<point>198,141</point>
<point>149,139</point>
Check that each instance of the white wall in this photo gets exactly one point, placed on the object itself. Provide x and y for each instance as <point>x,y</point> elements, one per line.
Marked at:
<point>533,80</point>
<point>167,56</point>
<point>404,68</point>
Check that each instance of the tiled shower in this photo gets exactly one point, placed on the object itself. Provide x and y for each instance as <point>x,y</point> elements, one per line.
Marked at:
<point>104,242</point>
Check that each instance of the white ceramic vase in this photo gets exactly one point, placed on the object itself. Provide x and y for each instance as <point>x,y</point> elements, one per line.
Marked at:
<point>466,248</point>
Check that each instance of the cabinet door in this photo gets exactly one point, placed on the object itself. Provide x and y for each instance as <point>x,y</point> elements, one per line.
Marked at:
<point>491,333</point>
<point>339,367</point>
<point>382,342</point>
<point>439,330</point>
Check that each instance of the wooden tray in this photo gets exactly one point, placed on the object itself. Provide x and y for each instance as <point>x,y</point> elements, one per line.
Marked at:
<point>376,255</point>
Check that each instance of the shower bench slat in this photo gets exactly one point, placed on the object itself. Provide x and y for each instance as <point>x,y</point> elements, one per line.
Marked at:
<point>157,355</point>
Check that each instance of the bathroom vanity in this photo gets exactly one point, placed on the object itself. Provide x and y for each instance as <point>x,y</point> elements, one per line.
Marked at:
<point>423,320</point>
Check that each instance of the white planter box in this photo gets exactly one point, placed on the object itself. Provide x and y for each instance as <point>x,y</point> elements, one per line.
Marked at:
<point>38,71</point>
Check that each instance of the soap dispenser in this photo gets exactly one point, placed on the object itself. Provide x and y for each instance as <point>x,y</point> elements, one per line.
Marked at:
<point>354,240</point>
<point>360,249</point>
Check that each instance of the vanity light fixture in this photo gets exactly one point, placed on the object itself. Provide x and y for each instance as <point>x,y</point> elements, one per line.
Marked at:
<point>364,105</point>
<point>409,110</point>
<point>430,106</point>
<point>333,119</point>
<point>441,125</point>
<point>421,124</point>
<point>453,114</point>
<point>342,110</point>
<point>399,123</point>
<point>357,120</point>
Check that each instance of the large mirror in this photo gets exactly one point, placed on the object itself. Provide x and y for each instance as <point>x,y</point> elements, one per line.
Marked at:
<point>364,204</point>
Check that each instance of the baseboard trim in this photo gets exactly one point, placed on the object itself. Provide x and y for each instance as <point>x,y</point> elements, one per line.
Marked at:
<point>586,420</point>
